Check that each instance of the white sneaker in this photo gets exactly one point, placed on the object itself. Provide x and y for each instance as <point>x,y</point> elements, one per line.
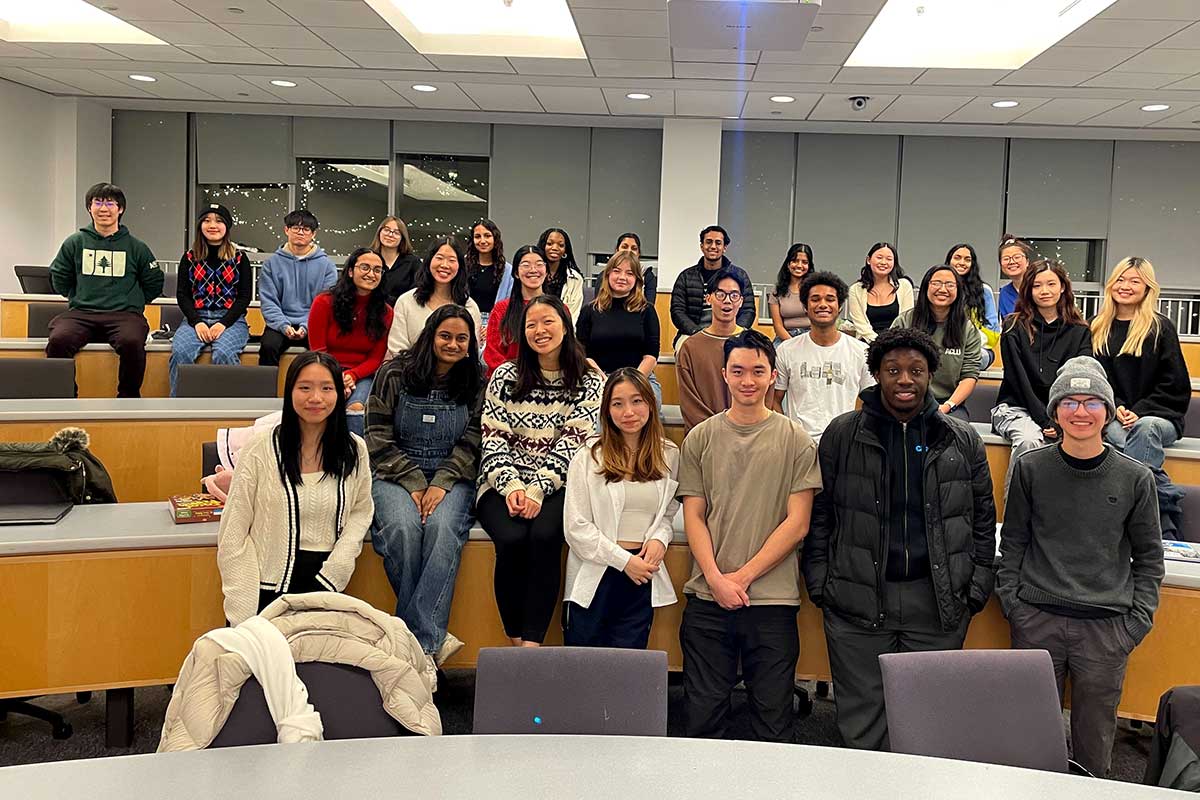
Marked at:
<point>450,645</point>
<point>430,672</point>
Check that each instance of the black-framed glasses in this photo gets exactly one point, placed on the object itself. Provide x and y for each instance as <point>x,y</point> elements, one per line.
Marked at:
<point>724,296</point>
<point>369,269</point>
<point>1071,405</point>
<point>302,229</point>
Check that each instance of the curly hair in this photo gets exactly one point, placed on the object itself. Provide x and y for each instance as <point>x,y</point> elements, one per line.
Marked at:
<point>345,296</point>
<point>823,279</point>
<point>902,339</point>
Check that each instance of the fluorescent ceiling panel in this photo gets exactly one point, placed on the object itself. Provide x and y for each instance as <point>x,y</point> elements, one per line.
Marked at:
<point>519,28</point>
<point>66,21</point>
<point>974,34</point>
<point>420,185</point>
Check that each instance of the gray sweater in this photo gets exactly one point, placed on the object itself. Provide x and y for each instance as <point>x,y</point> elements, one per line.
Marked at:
<point>1082,539</point>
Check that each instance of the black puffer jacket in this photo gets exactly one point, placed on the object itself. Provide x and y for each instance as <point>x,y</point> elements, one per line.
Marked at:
<point>845,553</point>
<point>687,298</point>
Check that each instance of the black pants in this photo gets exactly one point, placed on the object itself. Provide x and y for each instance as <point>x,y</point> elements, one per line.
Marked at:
<point>619,615</point>
<point>124,331</point>
<point>274,344</point>
<point>528,563</point>
<point>768,643</point>
<point>304,577</point>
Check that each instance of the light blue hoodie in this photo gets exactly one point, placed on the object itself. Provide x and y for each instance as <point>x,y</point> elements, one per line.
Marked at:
<point>287,285</point>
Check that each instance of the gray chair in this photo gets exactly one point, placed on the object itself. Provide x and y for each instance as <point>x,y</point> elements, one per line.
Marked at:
<point>346,698</point>
<point>981,402</point>
<point>1189,531</point>
<point>37,378</point>
<point>571,690</point>
<point>993,706</point>
<point>170,284</point>
<point>34,279</point>
<point>589,294</point>
<point>1191,420</point>
<point>40,314</point>
<point>226,380</point>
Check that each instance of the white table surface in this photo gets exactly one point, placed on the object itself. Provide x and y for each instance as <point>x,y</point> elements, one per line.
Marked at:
<point>543,767</point>
<point>146,408</point>
<point>39,345</point>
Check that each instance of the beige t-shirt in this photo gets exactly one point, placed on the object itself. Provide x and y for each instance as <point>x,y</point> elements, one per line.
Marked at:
<point>747,473</point>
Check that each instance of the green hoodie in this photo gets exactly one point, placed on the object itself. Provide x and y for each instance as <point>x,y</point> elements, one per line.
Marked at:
<point>105,273</point>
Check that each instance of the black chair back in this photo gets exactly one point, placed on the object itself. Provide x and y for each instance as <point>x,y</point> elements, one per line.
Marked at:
<point>1191,420</point>
<point>34,279</point>
<point>37,378</point>
<point>226,380</point>
<point>981,402</point>
<point>171,315</point>
<point>170,284</point>
<point>40,315</point>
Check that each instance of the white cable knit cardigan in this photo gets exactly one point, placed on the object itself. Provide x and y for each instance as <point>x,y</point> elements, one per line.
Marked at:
<point>264,523</point>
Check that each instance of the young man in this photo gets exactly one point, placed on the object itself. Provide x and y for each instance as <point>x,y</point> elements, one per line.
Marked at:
<point>903,537</point>
<point>744,533</point>
<point>289,280</point>
<point>1081,556</point>
<point>822,370</point>
<point>689,307</point>
<point>699,362</point>
<point>108,277</point>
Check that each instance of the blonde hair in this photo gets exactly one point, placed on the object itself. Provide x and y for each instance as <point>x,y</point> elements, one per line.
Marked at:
<point>616,462</point>
<point>1145,320</point>
<point>637,298</point>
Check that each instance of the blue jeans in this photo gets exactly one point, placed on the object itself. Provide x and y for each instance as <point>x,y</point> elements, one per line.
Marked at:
<point>355,419</point>
<point>421,560</point>
<point>657,387</point>
<point>227,349</point>
<point>1145,442</point>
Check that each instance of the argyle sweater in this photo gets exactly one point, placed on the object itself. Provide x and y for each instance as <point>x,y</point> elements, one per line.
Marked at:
<point>528,443</point>
<point>214,286</point>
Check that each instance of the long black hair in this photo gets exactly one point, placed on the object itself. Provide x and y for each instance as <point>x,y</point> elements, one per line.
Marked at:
<point>418,364</point>
<point>971,285</point>
<point>572,361</point>
<point>555,283</point>
<point>867,278</point>
<point>512,326</point>
<point>459,285</point>
<point>339,455</point>
<point>472,259</point>
<point>784,279</point>
<point>345,295</point>
<point>956,319</point>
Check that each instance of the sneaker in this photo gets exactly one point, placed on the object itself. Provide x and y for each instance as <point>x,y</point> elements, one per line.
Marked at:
<point>450,645</point>
<point>430,673</point>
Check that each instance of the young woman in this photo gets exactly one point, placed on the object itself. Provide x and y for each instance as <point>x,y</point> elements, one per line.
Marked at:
<point>788,316</point>
<point>941,312</point>
<point>619,514</point>
<point>620,327</point>
<point>1015,255</point>
<point>350,321</point>
<point>441,280</point>
<point>1139,350</point>
<point>489,276</point>
<point>633,243</point>
<point>300,503</point>
<point>981,303</point>
<point>401,265</point>
<point>423,436</point>
<point>881,293</point>
<point>215,289</point>
<point>506,323</point>
<point>538,411</point>
<point>563,278</point>
<point>1043,333</point>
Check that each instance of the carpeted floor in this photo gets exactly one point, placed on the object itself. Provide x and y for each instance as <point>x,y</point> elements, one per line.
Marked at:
<point>23,740</point>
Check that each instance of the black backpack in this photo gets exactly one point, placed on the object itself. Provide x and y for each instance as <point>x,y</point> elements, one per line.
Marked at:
<point>78,474</point>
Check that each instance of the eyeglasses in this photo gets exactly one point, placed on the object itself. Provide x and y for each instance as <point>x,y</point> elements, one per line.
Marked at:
<point>105,204</point>
<point>935,285</point>
<point>1019,257</point>
<point>389,231</point>
<point>302,229</point>
<point>724,296</point>
<point>370,270</point>
<point>1071,406</point>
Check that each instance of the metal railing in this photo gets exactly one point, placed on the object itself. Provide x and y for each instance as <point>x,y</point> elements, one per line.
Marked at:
<point>1182,309</point>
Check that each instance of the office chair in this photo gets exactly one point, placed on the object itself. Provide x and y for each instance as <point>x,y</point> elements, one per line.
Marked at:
<point>40,314</point>
<point>1191,420</point>
<point>34,279</point>
<point>226,380</point>
<point>37,378</point>
<point>982,400</point>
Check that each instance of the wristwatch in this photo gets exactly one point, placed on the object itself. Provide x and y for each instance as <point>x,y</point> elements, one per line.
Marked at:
<point>952,405</point>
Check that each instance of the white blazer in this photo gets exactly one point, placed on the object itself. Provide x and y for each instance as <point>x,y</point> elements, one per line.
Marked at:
<point>591,510</point>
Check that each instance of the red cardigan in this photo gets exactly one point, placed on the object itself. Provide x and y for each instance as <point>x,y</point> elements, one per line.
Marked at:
<point>495,352</point>
<point>358,354</point>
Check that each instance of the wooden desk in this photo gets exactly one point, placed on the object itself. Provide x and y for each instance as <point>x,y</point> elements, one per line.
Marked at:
<point>14,313</point>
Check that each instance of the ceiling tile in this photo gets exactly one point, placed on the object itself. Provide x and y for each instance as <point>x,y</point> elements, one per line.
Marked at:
<point>1152,9</point>
<point>73,50</point>
<point>191,33</point>
<point>1047,77</point>
<point>571,99</point>
<point>243,54</point>
<point>624,5</point>
<point>166,86</point>
<point>305,91</point>
<point>341,14</point>
<point>1130,114</point>
<point>448,96</point>
<point>627,47</point>
<point>374,59</point>
<point>871,7</point>
<point>829,53</point>
<point>728,72</point>
<point>716,56</point>
<point>250,12</point>
<point>502,97</point>
<point>364,92</point>
<point>981,112</point>
<point>1186,39</point>
<point>1162,59</point>
<point>606,68</point>
<point>962,77</point>
<point>1133,80</point>
<point>361,39</point>
<point>1192,82</point>
<point>922,108</point>
<point>10,50</point>
<point>881,75</point>
<point>836,107</point>
<point>294,36</point>
<point>227,87</point>
<point>1081,58</point>
<point>574,67</point>
<point>471,63</point>
<point>156,10</point>
<point>840,27</point>
<point>35,81</point>
<point>1185,117</point>
<point>93,82</point>
<point>309,58</point>
<point>660,104</point>
<point>794,73</point>
<point>1066,111</point>
<point>759,106</point>
<point>692,103</point>
<point>152,52</point>
<point>600,22</point>
<point>1101,32</point>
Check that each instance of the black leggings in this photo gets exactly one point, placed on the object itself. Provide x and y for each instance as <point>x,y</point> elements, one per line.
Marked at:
<point>528,563</point>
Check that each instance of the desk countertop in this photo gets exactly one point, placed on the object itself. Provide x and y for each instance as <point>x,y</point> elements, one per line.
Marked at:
<point>154,408</point>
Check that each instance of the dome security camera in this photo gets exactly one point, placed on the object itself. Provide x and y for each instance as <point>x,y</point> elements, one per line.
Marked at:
<point>859,102</point>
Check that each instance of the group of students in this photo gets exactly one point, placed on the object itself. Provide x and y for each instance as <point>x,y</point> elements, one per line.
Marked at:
<point>885,511</point>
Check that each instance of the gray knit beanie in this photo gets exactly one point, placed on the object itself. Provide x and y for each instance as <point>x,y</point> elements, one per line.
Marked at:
<point>1082,375</point>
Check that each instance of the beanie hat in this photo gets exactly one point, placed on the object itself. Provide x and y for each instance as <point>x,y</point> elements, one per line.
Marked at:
<point>1082,375</point>
<point>218,209</point>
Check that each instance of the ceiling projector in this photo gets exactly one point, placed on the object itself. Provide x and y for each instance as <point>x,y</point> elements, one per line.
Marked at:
<point>741,24</point>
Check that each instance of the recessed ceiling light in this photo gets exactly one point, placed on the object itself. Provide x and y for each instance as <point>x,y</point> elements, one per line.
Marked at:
<point>284,84</point>
<point>953,33</point>
<point>143,78</point>
<point>67,21</point>
<point>529,28</point>
<point>783,98</point>
<point>638,96</point>
<point>1156,107</point>
<point>423,87</point>
<point>1005,104</point>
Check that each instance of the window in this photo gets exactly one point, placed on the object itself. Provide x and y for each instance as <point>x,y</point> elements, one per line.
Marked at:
<point>349,199</point>
<point>441,195</point>
<point>258,211</point>
<point>1083,257</point>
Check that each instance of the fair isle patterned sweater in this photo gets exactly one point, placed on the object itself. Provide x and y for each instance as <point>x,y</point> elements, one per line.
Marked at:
<point>528,444</point>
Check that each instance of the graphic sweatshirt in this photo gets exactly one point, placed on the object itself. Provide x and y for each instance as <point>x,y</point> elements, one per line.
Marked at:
<point>105,273</point>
